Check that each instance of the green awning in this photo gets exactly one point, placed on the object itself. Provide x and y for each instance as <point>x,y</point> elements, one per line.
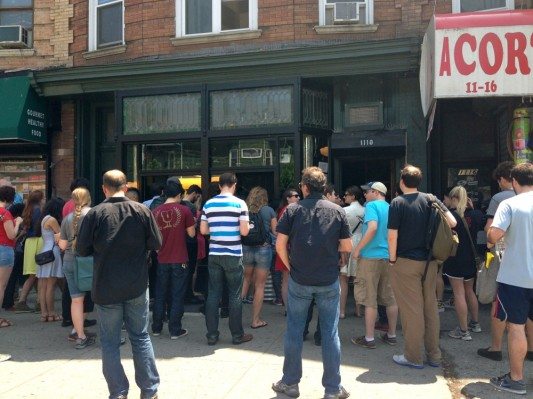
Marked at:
<point>22,111</point>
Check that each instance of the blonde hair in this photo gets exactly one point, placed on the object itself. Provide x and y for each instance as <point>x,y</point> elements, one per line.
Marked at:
<point>81,198</point>
<point>459,193</point>
<point>257,198</point>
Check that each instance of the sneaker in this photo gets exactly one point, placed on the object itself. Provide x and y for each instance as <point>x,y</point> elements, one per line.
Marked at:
<point>242,339</point>
<point>433,363</point>
<point>440,306</point>
<point>457,333</point>
<point>212,341</point>
<point>492,355</point>
<point>248,300</point>
<point>291,391</point>
<point>389,340</point>
<point>74,336</point>
<point>84,343</point>
<point>277,302</point>
<point>156,333</point>
<point>181,333</point>
<point>474,326</point>
<point>402,361</point>
<point>342,394</point>
<point>66,323</point>
<point>22,307</point>
<point>505,383</point>
<point>361,341</point>
<point>449,304</point>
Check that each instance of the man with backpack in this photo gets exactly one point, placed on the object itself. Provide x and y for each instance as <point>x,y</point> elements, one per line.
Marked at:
<point>413,274</point>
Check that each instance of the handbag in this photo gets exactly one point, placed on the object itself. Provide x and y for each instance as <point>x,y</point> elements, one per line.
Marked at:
<point>45,257</point>
<point>83,272</point>
<point>486,285</point>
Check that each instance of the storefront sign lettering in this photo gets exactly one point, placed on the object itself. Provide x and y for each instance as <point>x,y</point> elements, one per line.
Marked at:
<point>36,119</point>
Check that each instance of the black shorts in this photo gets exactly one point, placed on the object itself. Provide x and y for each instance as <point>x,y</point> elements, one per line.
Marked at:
<point>514,304</point>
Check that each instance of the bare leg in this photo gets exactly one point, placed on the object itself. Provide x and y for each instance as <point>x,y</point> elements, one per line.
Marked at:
<point>247,280</point>
<point>517,344</point>
<point>460,302</point>
<point>30,281</point>
<point>529,333</point>
<point>497,329</point>
<point>343,279</point>
<point>285,287</point>
<point>392,316</point>
<point>370,320</point>
<point>260,277</point>
<point>5,272</point>
<point>471,300</point>
<point>76,311</point>
<point>50,288</point>
<point>42,284</point>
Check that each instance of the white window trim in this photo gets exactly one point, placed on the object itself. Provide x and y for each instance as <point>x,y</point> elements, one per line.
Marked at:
<point>369,9</point>
<point>216,22</point>
<point>93,17</point>
<point>456,6</point>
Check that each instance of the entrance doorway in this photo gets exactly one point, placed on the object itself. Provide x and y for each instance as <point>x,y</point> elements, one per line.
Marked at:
<point>247,180</point>
<point>149,181</point>
<point>358,172</point>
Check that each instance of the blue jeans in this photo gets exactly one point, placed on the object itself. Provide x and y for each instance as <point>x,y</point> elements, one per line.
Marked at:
<point>171,276</point>
<point>134,313</point>
<point>327,299</point>
<point>230,268</point>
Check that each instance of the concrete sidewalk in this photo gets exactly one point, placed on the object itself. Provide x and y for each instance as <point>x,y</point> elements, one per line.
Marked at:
<point>45,365</point>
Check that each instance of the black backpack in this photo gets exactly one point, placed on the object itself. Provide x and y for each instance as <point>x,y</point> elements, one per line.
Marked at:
<point>257,234</point>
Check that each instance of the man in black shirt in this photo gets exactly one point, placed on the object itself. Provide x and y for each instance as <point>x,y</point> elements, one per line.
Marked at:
<point>408,253</point>
<point>119,233</point>
<point>316,230</point>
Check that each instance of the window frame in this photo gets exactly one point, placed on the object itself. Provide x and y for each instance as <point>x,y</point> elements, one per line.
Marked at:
<point>456,7</point>
<point>24,8</point>
<point>369,13</point>
<point>216,22</point>
<point>93,25</point>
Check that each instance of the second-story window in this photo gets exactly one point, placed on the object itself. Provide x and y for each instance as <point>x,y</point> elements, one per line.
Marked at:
<point>343,12</point>
<point>214,16</point>
<point>16,23</point>
<point>106,23</point>
<point>481,5</point>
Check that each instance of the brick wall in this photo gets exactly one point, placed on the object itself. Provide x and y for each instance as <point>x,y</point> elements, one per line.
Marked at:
<point>150,26</point>
<point>51,39</point>
<point>63,165</point>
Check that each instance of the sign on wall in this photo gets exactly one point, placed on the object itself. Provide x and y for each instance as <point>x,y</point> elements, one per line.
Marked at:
<point>486,54</point>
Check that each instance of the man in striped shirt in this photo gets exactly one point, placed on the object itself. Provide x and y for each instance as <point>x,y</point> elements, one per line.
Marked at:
<point>225,219</point>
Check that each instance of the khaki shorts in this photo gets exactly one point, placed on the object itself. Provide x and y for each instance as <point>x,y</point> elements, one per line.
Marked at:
<point>372,285</point>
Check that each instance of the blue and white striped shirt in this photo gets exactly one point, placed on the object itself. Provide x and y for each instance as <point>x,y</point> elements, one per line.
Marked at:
<point>223,213</point>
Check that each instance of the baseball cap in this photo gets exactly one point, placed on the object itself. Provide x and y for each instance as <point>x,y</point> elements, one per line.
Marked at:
<point>375,185</point>
<point>174,179</point>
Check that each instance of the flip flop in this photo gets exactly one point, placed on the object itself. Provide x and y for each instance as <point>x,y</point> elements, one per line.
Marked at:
<point>5,323</point>
<point>54,317</point>
<point>263,324</point>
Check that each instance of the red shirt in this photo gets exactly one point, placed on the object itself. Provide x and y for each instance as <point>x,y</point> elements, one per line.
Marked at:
<point>68,208</point>
<point>173,219</point>
<point>5,215</point>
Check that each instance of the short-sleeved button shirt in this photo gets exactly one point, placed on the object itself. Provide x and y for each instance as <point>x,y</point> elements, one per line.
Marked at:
<point>314,226</point>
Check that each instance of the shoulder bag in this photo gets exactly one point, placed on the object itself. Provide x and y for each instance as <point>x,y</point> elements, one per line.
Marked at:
<point>83,272</point>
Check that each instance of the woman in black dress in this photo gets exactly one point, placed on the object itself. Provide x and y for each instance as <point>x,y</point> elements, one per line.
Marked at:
<point>461,271</point>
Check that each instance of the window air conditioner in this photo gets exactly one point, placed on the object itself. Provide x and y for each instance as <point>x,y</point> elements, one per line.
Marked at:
<point>13,36</point>
<point>346,12</point>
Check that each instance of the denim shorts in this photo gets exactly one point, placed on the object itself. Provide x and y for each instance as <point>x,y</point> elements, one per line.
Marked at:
<point>257,256</point>
<point>68,270</point>
<point>7,256</point>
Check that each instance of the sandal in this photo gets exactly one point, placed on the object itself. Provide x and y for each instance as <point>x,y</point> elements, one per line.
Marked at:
<point>5,323</point>
<point>54,317</point>
<point>44,318</point>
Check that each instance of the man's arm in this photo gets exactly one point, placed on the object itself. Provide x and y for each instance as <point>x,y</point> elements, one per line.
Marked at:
<point>494,235</point>
<point>244,227</point>
<point>392,239</point>
<point>345,245</point>
<point>191,231</point>
<point>281,249</point>
<point>204,227</point>
<point>369,235</point>
<point>154,240</point>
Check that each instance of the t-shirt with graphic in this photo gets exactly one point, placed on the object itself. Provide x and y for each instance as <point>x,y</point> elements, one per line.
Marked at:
<point>5,216</point>
<point>173,219</point>
<point>515,217</point>
<point>378,247</point>
<point>223,213</point>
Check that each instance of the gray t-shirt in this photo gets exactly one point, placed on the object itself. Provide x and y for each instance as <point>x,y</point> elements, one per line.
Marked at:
<point>267,214</point>
<point>515,217</point>
<point>67,233</point>
<point>496,200</point>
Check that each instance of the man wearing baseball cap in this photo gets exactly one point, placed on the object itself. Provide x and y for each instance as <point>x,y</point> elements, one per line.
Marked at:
<point>372,285</point>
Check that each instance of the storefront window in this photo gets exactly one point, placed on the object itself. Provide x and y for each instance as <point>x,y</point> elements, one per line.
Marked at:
<point>286,163</point>
<point>172,156</point>
<point>242,152</point>
<point>309,149</point>
<point>249,108</point>
<point>475,180</point>
<point>162,114</point>
<point>316,109</point>
<point>131,162</point>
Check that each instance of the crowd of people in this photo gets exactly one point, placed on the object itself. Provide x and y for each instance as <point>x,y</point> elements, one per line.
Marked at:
<point>312,247</point>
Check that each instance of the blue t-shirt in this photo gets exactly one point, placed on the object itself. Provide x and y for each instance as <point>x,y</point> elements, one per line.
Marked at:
<point>378,247</point>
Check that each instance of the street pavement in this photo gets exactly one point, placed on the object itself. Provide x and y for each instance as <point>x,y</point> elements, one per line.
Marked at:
<point>45,365</point>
